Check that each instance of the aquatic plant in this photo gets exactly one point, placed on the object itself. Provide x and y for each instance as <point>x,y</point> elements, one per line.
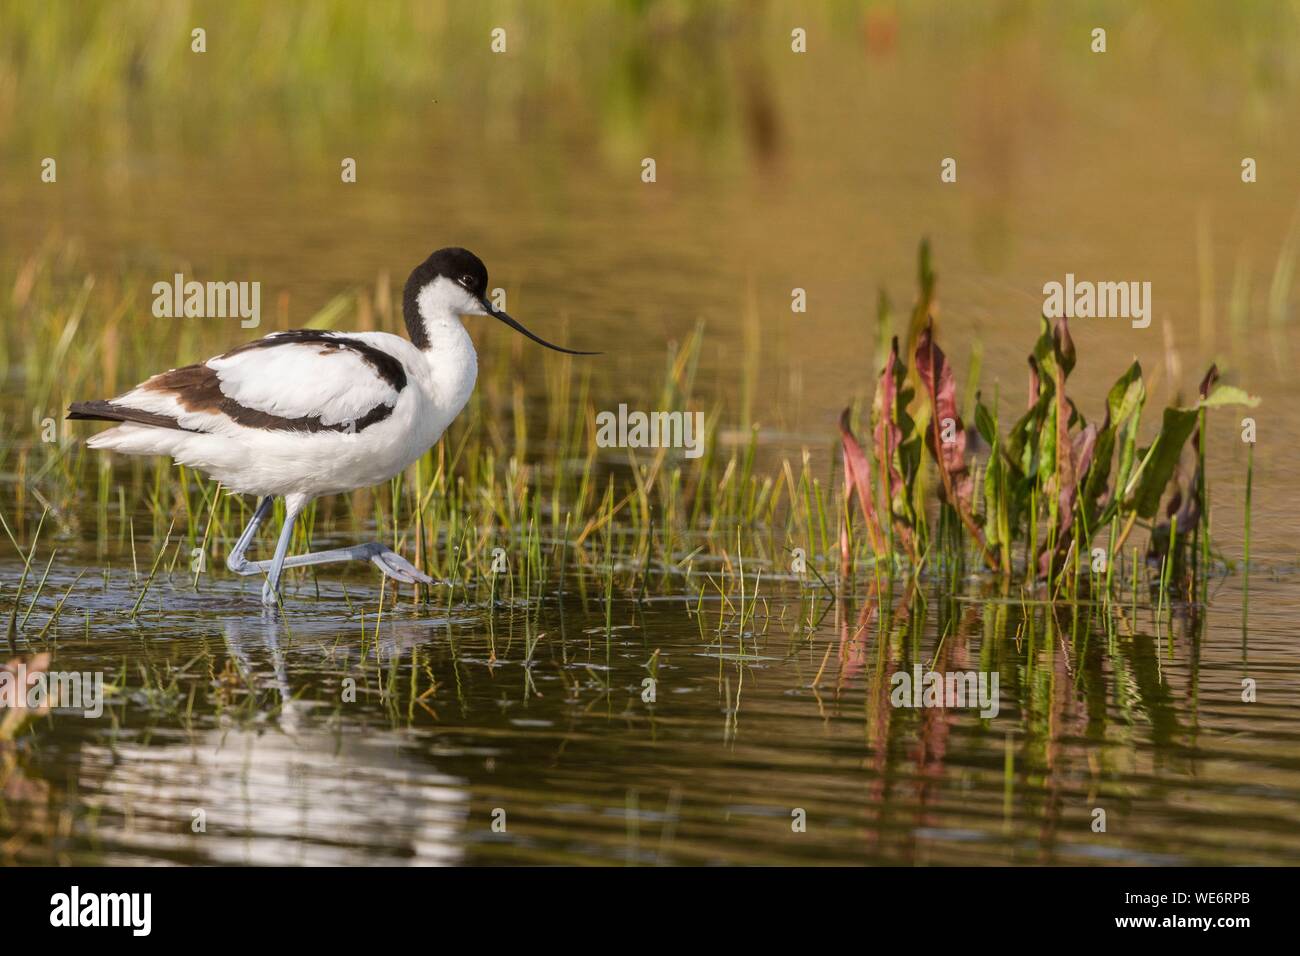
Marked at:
<point>1051,485</point>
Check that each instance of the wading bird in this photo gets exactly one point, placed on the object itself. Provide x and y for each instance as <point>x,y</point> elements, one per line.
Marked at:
<point>308,413</point>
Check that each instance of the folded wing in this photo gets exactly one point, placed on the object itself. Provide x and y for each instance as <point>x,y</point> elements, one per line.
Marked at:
<point>304,381</point>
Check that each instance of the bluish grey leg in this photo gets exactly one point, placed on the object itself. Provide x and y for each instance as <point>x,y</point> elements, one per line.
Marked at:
<point>388,561</point>
<point>293,505</point>
<point>235,560</point>
<point>391,563</point>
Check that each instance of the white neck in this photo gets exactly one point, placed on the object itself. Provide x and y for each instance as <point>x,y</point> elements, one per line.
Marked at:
<point>450,351</point>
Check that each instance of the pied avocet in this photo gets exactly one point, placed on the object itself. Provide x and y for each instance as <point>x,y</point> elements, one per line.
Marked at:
<point>307,413</point>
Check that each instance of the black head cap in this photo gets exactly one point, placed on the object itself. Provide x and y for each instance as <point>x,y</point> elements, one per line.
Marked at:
<point>459,265</point>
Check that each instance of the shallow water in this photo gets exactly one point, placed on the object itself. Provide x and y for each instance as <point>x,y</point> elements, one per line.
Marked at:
<point>1104,168</point>
<point>246,719</point>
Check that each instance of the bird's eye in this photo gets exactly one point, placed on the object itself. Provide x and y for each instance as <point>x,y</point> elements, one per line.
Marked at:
<point>467,281</point>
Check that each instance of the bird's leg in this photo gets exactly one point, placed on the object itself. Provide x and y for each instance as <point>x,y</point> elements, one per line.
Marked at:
<point>388,561</point>
<point>235,560</point>
<point>293,505</point>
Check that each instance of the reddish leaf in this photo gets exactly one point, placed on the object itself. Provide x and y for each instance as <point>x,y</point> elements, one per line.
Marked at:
<point>1064,345</point>
<point>889,438</point>
<point>941,388</point>
<point>857,480</point>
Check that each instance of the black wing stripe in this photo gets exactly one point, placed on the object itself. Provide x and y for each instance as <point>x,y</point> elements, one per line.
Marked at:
<point>387,367</point>
<point>252,418</point>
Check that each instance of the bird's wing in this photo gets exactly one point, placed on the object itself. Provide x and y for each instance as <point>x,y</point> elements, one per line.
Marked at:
<point>304,380</point>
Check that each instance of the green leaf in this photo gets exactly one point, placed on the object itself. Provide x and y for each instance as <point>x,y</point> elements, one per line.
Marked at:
<point>1126,396</point>
<point>1161,459</point>
<point>1045,353</point>
<point>1098,475</point>
<point>999,503</point>
<point>986,425</point>
<point>994,503</point>
<point>1224,395</point>
<point>1022,442</point>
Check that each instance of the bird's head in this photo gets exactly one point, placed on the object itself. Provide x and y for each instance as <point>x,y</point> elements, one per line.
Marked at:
<point>454,282</point>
